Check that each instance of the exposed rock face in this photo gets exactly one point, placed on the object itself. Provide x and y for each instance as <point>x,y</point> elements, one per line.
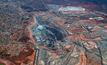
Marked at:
<point>84,44</point>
